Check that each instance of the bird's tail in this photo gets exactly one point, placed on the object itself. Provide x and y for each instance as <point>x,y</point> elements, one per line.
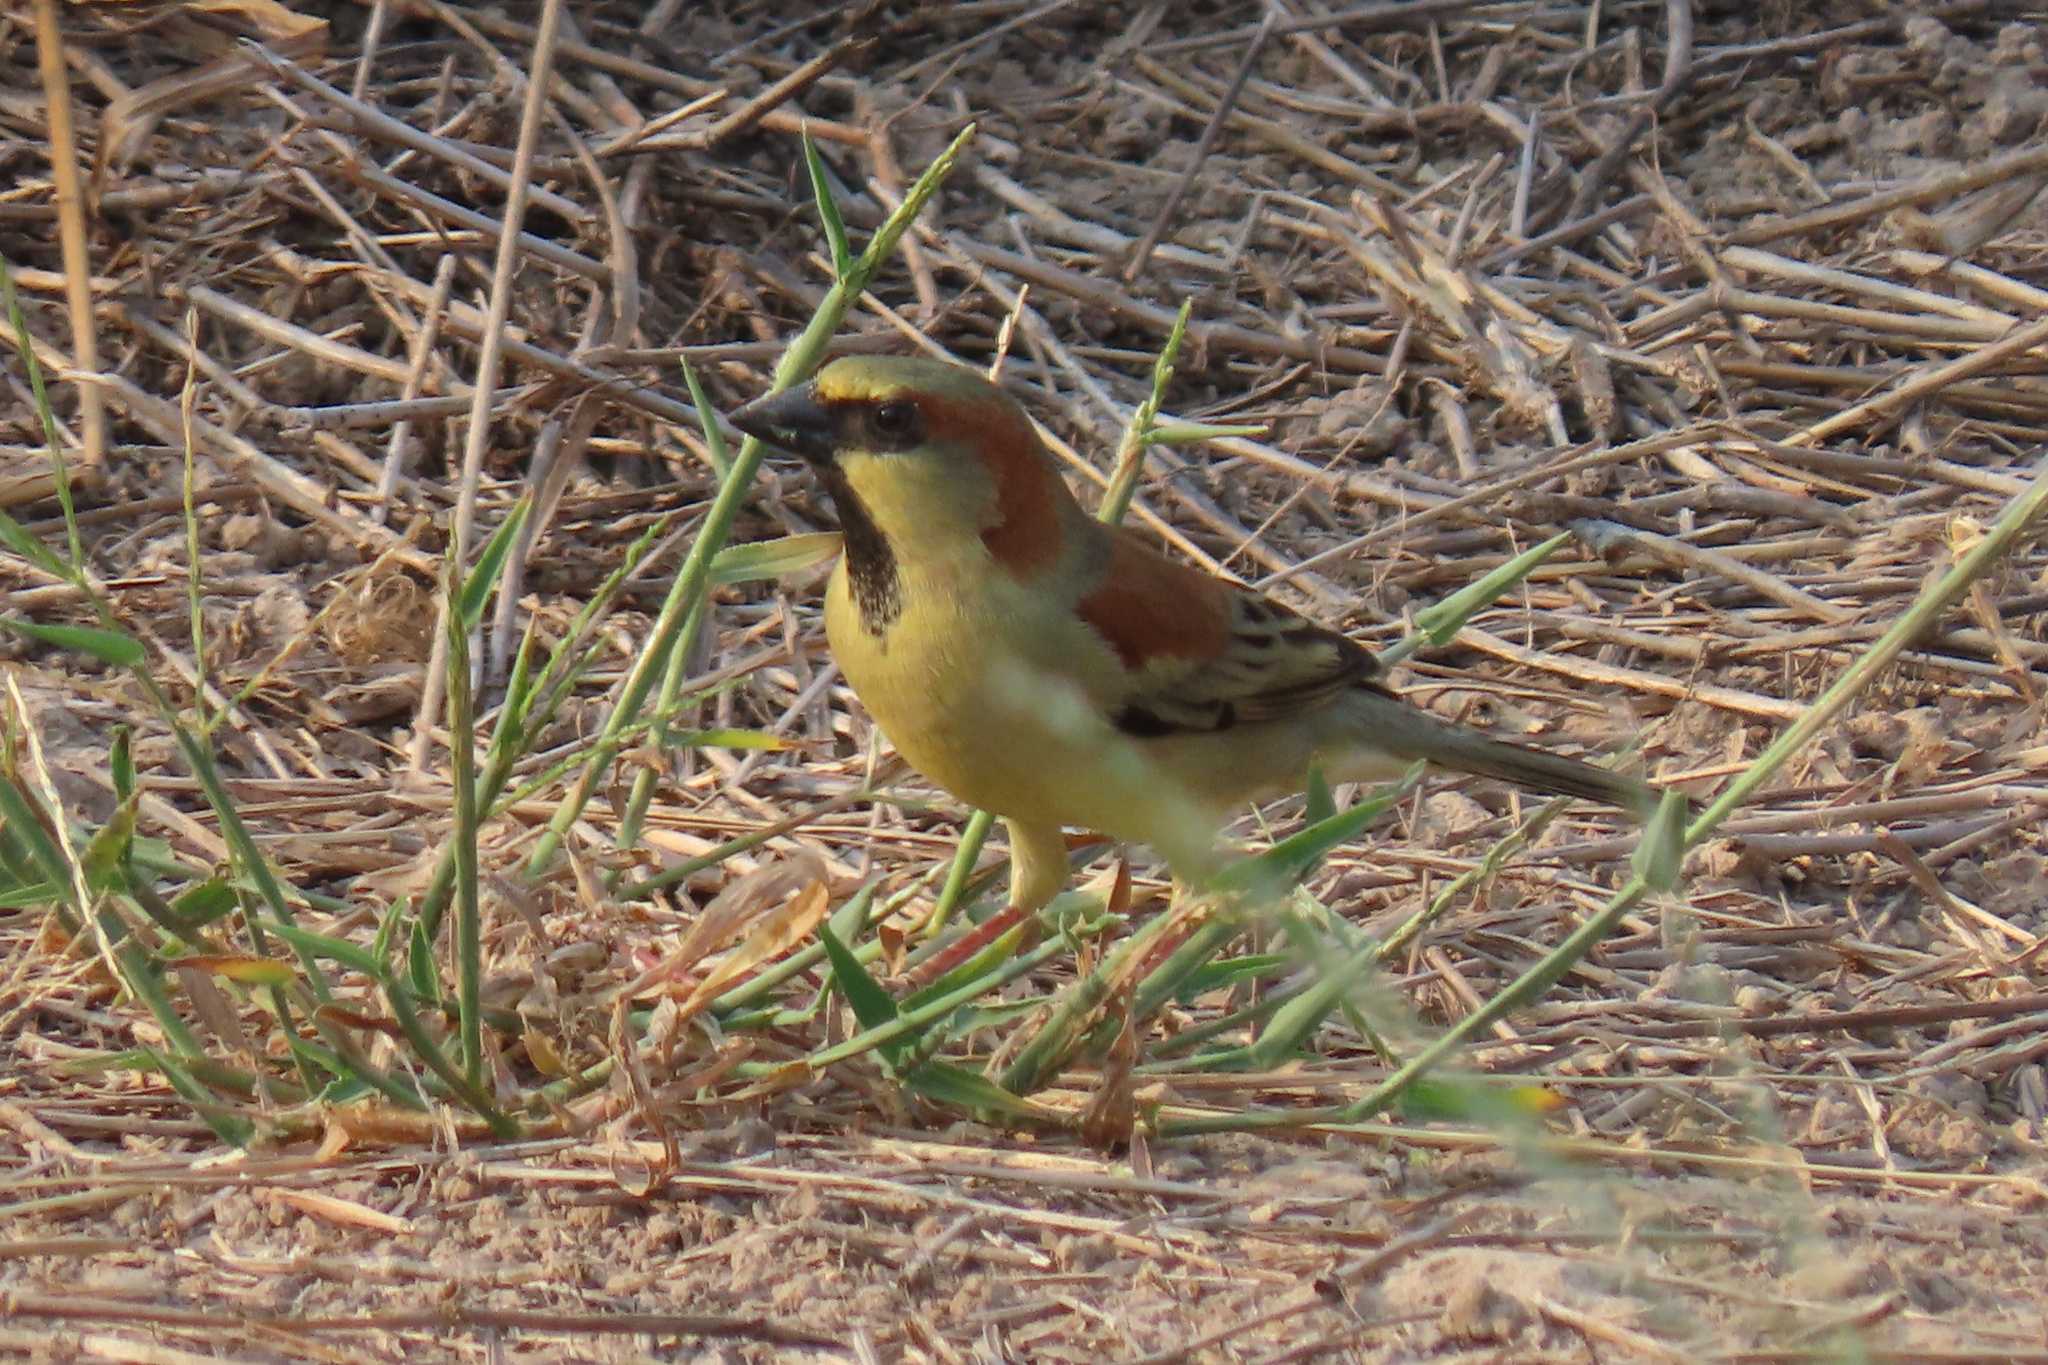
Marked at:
<point>1406,733</point>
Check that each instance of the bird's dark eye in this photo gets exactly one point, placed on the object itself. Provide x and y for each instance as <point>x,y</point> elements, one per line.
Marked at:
<point>894,422</point>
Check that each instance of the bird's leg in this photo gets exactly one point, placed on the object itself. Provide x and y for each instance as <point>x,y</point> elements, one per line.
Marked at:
<point>1038,866</point>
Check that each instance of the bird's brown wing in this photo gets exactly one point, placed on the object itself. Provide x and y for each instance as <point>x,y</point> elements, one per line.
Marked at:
<point>1204,655</point>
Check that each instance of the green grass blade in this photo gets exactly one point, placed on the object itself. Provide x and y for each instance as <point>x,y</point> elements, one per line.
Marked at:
<point>1130,455</point>
<point>1662,849</point>
<point>204,902</point>
<point>1295,1022</point>
<point>18,813</point>
<point>1440,622</point>
<point>144,979</point>
<point>707,418</point>
<point>1282,866</point>
<point>2014,525</point>
<point>249,859</point>
<point>121,764</point>
<point>465,830</point>
<point>350,955</point>
<point>479,581</point>
<point>871,1004</point>
<point>677,666</point>
<point>345,1061</point>
<point>429,1051</point>
<point>540,701</point>
<point>847,924</point>
<point>105,859</point>
<point>1189,433</point>
<point>915,1020</point>
<point>117,649</point>
<point>972,836</point>
<point>52,440</point>
<point>228,1126</point>
<point>963,1089</point>
<point>687,594</point>
<point>772,558</point>
<point>828,208</point>
<point>1319,804</point>
<point>1171,977</point>
<point>16,537</point>
<point>419,964</point>
<point>1078,1009</point>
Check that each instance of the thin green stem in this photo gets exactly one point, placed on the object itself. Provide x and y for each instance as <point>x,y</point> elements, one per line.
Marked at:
<point>464,834</point>
<point>693,579</point>
<point>2012,527</point>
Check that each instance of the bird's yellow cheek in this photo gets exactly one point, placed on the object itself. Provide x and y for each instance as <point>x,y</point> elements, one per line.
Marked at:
<point>926,506</point>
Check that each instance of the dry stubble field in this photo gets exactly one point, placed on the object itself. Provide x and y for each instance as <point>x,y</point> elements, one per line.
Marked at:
<point>1746,296</point>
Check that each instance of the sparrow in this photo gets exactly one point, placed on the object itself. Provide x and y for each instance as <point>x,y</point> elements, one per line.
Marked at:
<point>1059,671</point>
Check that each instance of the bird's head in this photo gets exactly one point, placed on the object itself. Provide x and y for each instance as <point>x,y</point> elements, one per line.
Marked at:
<point>934,459</point>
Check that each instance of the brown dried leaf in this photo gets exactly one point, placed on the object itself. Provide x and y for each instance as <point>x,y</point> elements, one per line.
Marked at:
<point>1112,1109</point>
<point>730,913</point>
<point>777,934</point>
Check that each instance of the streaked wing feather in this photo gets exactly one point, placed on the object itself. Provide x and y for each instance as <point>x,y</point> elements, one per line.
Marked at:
<point>1205,655</point>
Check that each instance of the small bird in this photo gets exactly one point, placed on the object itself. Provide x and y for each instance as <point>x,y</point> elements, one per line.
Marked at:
<point>1055,670</point>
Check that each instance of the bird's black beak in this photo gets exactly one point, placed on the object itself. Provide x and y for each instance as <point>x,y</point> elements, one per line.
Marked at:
<point>793,420</point>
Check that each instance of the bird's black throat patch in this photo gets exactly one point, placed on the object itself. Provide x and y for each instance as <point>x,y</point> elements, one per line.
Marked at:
<point>870,560</point>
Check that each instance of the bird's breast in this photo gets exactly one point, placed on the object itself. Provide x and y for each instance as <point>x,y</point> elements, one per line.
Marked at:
<point>986,688</point>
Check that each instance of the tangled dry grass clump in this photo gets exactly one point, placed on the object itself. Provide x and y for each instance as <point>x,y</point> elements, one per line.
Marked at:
<point>434,844</point>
